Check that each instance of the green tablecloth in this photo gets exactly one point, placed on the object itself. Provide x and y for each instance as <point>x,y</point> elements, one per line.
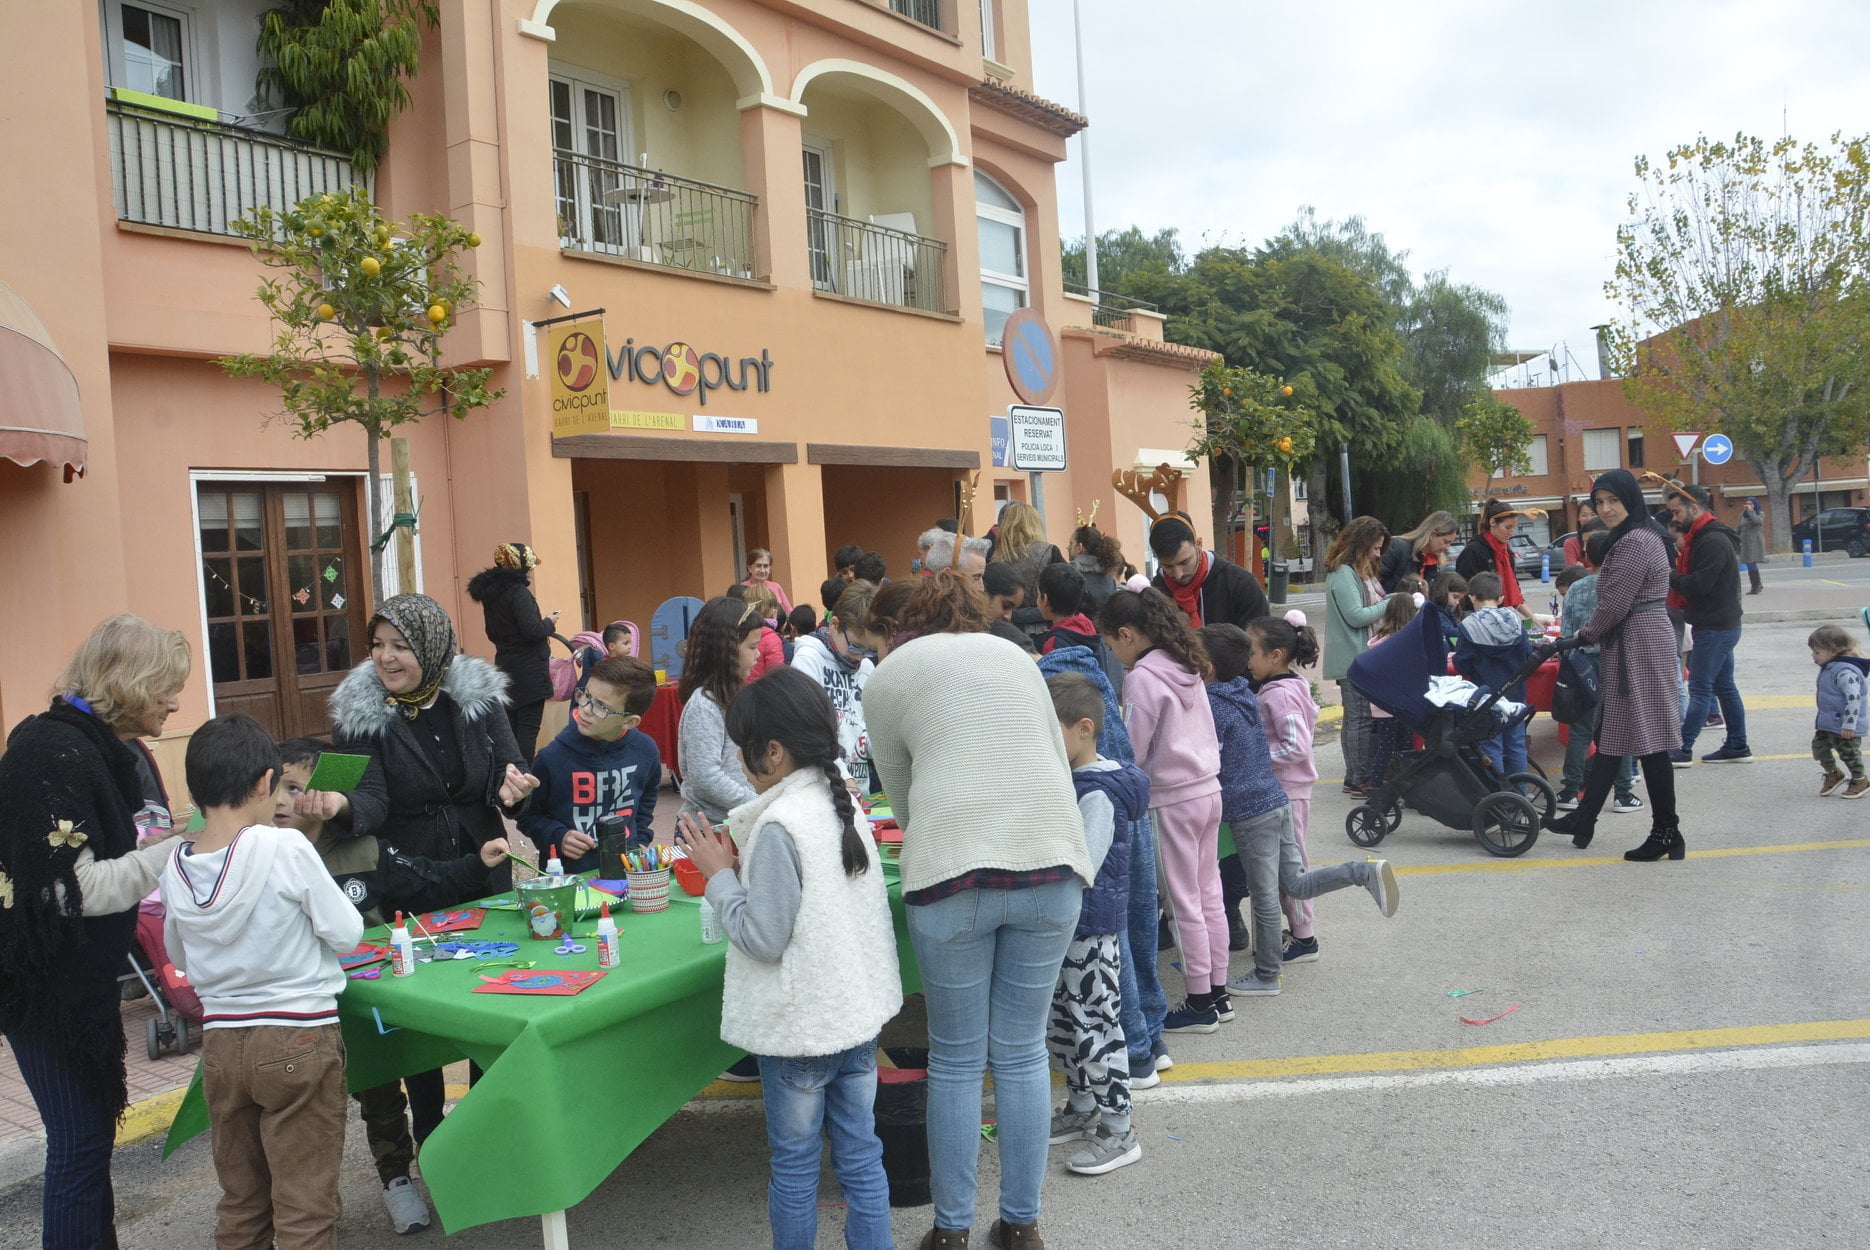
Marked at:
<point>580,1080</point>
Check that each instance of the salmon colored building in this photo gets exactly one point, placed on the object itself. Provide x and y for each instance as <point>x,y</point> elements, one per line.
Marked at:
<point>1581,429</point>
<point>835,205</point>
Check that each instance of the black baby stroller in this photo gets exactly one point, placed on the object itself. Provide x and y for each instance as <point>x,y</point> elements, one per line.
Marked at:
<point>1448,779</point>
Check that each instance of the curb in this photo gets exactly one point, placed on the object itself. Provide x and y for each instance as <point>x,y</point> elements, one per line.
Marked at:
<point>1331,715</point>
<point>22,1159</point>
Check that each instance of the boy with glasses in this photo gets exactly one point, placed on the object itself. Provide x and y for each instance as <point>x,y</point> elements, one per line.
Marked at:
<point>598,765</point>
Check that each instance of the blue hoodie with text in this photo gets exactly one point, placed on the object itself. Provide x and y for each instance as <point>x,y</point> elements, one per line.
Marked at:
<point>581,779</point>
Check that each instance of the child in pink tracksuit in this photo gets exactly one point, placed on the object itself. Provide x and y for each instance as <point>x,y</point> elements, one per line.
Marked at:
<point>1172,729</point>
<point>1290,717</point>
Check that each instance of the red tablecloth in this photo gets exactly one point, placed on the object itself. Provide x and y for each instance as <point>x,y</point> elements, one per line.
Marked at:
<point>663,722</point>
<point>1539,685</point>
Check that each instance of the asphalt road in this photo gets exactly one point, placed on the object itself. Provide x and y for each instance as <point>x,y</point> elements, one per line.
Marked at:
<point>1687,1063</point>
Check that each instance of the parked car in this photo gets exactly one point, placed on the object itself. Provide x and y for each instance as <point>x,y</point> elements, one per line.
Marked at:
<point>1557,548</point>
<point>1842,529</point>
<point>1526,555</point>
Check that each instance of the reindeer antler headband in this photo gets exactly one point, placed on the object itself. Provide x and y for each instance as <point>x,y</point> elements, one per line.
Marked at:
<point>1136,488</point>
<point>1089,521</point>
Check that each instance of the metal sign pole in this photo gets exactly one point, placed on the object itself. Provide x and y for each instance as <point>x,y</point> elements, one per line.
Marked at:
<point>1038,495</point>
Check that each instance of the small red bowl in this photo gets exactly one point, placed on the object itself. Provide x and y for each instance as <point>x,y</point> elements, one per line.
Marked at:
<point>690,877</point>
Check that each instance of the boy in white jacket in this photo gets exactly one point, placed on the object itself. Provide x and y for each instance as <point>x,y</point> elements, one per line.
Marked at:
<point>257,925</point>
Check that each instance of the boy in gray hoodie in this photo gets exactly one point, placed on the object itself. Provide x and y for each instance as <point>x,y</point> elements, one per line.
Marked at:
<point>257,924</point>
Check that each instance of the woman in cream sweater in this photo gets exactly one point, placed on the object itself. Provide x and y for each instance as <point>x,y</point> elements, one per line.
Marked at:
<point>963,734</point>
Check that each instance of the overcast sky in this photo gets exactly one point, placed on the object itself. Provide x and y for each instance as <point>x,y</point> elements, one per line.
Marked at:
<point>1491,139</point>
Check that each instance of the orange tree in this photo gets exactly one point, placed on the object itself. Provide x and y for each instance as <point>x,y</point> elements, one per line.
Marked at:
<point>361,306</point>
<point>1249,421</point>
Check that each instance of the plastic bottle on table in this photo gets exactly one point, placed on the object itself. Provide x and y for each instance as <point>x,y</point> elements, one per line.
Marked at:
<point>710,927</point>
<point>402,949</point>
<point>554,866</point>
<point>609,945</point>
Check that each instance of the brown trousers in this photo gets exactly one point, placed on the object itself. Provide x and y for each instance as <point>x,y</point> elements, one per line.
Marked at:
<point>276,1103</point>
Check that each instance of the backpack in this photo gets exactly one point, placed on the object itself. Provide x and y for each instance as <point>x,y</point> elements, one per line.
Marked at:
<point>1574,693</point>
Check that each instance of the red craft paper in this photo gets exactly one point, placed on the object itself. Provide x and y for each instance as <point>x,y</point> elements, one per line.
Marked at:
<point>526,981</point>
<point>1490,1019</point>
<point>454,920</point>
<point>367,953</point>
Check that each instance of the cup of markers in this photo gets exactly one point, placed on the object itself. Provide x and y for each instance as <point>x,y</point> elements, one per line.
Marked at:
<point>647,871</point>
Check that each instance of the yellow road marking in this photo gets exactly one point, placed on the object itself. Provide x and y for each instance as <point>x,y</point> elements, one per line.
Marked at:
<point>1827,581</point>
<point>150,1116</point>
<point>1593,861</point>
<point>1522,1052</point>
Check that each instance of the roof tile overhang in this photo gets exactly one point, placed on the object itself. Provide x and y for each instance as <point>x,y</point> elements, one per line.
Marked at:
<point>1028,107</point>
<point>1149,351</point>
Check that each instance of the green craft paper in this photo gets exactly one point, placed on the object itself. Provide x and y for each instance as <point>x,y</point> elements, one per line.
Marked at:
<point>338,772</point>
<point>196,823</point>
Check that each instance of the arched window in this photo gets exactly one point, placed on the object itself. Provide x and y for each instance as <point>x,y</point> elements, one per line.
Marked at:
<point>1002,225</point>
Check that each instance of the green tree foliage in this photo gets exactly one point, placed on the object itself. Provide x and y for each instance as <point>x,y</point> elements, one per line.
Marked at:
<point>1248,421</point>
<point>1496,436</point>
<point>339,66</point>
<point>1123,254</point>
<point>361,306</point>
<point>1742,279</point>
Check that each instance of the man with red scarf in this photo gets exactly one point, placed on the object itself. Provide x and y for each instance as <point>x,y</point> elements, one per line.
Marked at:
<point>1705,588</point>
<point>1207,589</point>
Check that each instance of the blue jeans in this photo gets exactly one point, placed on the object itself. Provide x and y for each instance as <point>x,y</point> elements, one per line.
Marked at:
<point>989,962</point>
<point>1711,679</point>
<point>1144,1004</point>
<point>1508,751</point>
<point>806,1099</point>
<point>78,1210</point>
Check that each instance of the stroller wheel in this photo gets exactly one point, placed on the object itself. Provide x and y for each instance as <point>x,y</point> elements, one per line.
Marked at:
<point>1506,823</point>
<point>1367,826</point>
<point>181,1035</point>
<point>152,1038</point>
<point>1538,789</point>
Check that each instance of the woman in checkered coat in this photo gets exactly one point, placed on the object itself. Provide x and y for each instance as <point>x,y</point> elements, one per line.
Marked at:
<point>1639,683</point>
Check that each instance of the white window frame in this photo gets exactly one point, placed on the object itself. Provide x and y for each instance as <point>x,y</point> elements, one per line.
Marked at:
<point>989,43</point>
<point>1019,283</point>
<point>820,241</point>
<point>579,80</point>
<point>1615,440</point>
<point>195,87</point>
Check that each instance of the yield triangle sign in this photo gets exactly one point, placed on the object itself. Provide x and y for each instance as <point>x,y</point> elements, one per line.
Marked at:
<point>1685,443</point>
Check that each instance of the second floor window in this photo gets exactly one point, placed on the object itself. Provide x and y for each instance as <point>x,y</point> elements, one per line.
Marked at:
<point>149,49</point>
<point>1603,449</point>
<point>590,137</point>
<point>1003,277</point>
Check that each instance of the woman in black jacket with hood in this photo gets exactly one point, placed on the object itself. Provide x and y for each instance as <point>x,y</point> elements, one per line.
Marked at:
<point>519,636</point>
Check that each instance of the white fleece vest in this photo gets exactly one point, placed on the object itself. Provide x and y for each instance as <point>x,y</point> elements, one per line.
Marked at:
<point>838,981</point>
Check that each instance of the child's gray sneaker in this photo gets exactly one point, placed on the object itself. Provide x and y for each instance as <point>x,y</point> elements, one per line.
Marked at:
<point>408,1213</point>
<point>1106,1152</point>
<point>1253,986</point>
<point>1069,1125</point>
<point>1381,882</point>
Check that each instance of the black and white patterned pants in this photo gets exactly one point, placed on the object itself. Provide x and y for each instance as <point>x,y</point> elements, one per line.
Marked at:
<point>1085,1034</point>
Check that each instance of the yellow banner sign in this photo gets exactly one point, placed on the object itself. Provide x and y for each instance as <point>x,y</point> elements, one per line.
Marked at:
<point>580,379</point>
<point>620,420</point>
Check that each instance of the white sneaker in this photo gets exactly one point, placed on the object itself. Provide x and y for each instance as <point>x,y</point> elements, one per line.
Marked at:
<point>1382,886</point>
<point>1105,1152</point>
<point>408,1213</point>
<point>1629,803</point>
<point>1567,803</point>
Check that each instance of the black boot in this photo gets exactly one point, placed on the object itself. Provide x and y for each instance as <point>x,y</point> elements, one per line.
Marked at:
<point>1238,938</point>
<point>1572,827</point>
<point>1661,841</point>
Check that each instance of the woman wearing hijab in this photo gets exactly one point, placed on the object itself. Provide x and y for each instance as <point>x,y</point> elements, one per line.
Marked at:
<point>443,763</point>
<point>1492,552</point>
<point>1639,679</point>
<point>72,786</point>
<point>519,636</point>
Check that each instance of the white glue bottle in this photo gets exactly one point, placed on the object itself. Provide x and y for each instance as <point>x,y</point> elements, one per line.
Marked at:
<point>609,946</point>
<point>402,949</point>
<point>710,927</point>
<point>554,867</point>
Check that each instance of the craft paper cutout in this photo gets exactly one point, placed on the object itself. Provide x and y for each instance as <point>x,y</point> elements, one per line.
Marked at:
<point>337,601</point>
<point>331,572</point>
<point>547,983</point>
<point>302,596</point>
<point>338,772</point>
<point>367,953</point>
<point>65,835</point>
<point>456,921</point>
<point>1490,1019</point>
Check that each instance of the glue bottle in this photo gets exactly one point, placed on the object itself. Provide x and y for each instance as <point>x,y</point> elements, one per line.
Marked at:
<point>710,927</point>
<point>609,948</point>
<point>554,867</point>
<point>402,949</point>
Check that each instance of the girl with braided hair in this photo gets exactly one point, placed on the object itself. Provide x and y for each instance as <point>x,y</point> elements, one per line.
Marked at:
<point>811,963</point>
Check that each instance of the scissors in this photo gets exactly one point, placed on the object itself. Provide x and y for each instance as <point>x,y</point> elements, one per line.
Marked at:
<point>569,947</point>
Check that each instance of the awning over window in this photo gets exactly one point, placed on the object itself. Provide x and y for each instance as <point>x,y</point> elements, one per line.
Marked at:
<point>40,418</point>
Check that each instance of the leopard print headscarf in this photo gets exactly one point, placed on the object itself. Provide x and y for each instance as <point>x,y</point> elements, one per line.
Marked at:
<point>431,636</point>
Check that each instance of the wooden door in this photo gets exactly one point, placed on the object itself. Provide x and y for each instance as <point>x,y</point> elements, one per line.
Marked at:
<point>283,591</point>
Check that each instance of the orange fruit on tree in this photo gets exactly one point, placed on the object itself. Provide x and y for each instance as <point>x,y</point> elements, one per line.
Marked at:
<point>371,266</point>
<point>473,239</point>
<point>1285,445</point>
<point>326,312</point>
<point>1285,390</point>
<point>437,314</point>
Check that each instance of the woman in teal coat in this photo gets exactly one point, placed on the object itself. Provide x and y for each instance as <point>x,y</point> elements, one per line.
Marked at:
<point>1353,602</point>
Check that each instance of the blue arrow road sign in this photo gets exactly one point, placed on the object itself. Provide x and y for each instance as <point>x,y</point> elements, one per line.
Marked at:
<point>1717,449</point>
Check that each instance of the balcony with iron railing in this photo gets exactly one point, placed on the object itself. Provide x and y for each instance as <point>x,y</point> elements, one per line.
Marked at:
<point>922,12</point>
<point>878,264</point>
<point>611,209</point>
<point>182,172</point>
<point>1110,310</point>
